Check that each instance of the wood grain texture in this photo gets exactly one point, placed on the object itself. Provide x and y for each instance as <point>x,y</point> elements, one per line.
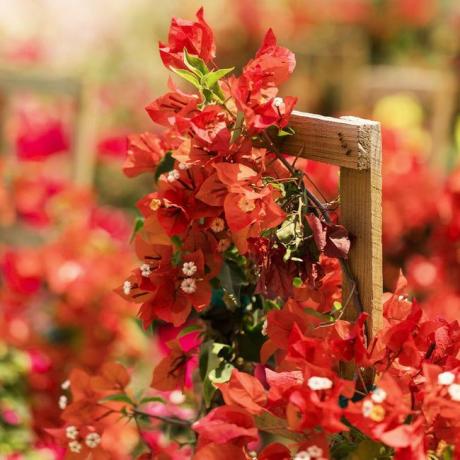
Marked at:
<point>361,214</point>
<point>360,197</point>
<point>330,140</point>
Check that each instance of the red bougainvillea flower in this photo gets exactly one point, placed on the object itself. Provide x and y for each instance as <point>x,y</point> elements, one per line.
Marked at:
<point>40,136</point>
<point>174,108</point>
<point>226,425</point>
<point>174,370</point>
<point>196,37</point>
<point>144,153</point>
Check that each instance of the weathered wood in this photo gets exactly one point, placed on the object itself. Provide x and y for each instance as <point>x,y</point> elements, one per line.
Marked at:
<point>361,214</point>
<point>330,140</point>
<point>353,144</point>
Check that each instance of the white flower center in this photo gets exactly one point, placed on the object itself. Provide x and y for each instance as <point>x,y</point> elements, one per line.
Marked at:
<point>145,270</point>
<point>155,204</point>
<point>319,383</point>
<point>127,286</point>
<point>217,225</point>
<point>379,395</point>
<point>454,391</point>
<point>75,447</point>
<point>302,455</point>
<point>264,328</point>
<point>188,285</point>
<point>367,408</point>
<point>71,432</point>
<point>223,245</point>
<point>446,378</point>
<point>189,268</point>
<point>277,101</point>
<point>62,402</point>
<point>184,166</point>
<point>246,205</point>
<point>173,175</point>
<point>315,451</point>
<point>177,397</point>
<point>92,440</point>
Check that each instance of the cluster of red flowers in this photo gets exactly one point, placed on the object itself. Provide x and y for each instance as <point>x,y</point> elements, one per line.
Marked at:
<point>57,300</point>
<point>234,245</point>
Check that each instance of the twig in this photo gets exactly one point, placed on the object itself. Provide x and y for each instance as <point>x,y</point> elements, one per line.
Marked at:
<point>170,420</point>
<point>325,215</point>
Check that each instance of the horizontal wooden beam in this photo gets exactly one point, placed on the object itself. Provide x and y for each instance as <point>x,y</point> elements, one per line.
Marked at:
<point>338,141</point>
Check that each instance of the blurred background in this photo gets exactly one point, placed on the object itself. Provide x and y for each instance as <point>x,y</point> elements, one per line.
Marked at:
<point>75,76</point>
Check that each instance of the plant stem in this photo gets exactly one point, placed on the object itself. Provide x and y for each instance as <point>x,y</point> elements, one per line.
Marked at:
<point>170,420</point>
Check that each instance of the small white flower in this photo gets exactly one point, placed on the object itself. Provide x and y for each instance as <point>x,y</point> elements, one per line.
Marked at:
<point>177,397</point>
<point>454,391</point>
<point>315,451</point>
<point>71,432</point>
<point>65,385</point>
<point>62,402</point>
<point>319,383</point>
<point>75,447</point>
<point>145,270</point>
<point>127,286</point>
<point>246,205</point>
<point>367,408</point>
<point>217,225</point>
<point>379,395</point>
<point>184,166</point>
<point>173,175</point>
<point>277,101</point>
<point>188,285</point>
<point>302,455</point>
<point>189,268</point>
<point>92,440</point>
<point>264,328</point>
<point>446,378</point>
<point>223,244</point>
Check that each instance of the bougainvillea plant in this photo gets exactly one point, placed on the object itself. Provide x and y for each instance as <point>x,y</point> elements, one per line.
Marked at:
<point>237,252</point>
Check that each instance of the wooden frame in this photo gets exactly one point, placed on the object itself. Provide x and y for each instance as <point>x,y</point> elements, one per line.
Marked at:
<point>83,144</point>
<point>355,145</point>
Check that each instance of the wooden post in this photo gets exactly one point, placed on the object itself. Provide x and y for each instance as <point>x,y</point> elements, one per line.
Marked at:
<point>353,144</point>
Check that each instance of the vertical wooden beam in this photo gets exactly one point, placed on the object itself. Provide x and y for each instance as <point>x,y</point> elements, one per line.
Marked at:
<point>361,214</point>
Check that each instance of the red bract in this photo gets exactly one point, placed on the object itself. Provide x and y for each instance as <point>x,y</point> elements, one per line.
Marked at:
<point>144,154</point>
<point>226,425</point>
<point>196,37</point>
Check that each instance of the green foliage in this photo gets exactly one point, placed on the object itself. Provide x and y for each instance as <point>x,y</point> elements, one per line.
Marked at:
<point>166,164</point>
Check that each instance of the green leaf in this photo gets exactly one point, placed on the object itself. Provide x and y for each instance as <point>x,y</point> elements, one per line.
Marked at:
<point>213,77</point>
<point>297,282</point>
<point>238,126</point>
<point>221,374</point>
<point>166,164</point>
<point>286,132</point>
<point>208,391</point>
<point>176,258</point>
<point>195,64</point>
<point>188,76</point>
<point>152,399</point>
<point>189,329</point>
<point>121,397</point>
<point>138,224</point>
